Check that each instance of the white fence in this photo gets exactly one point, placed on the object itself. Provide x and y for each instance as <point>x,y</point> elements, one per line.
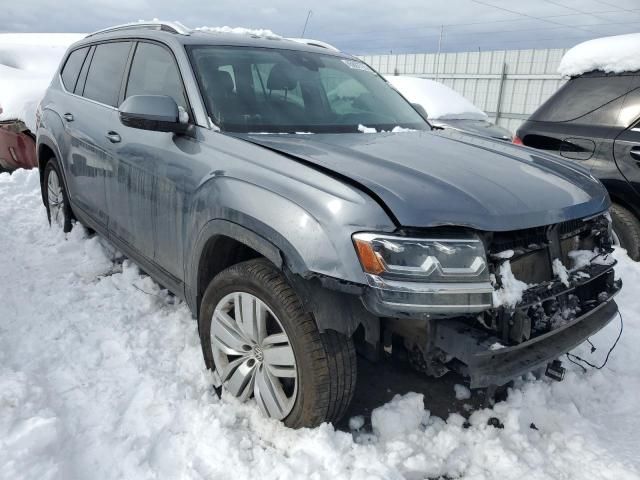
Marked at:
<point>507,84</point>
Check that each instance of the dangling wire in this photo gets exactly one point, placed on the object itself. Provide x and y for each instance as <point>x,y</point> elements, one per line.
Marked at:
<point>571,356</point>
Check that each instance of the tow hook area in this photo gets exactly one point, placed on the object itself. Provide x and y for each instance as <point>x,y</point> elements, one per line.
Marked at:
<point>555,370</point>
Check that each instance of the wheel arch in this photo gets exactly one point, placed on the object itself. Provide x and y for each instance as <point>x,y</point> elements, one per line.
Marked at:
<point>335,304</point>
<point>220,244</point>
<point>620,195</point>
<point>45,150</point>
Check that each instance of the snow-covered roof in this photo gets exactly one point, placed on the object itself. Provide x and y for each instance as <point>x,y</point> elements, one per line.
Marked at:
<point>27,64</point>
<point>259,32</point>
<point>436,98</point>
<point>620,53</point>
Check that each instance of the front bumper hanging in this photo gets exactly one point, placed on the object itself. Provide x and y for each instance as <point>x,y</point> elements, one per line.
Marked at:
<point>487,366</point>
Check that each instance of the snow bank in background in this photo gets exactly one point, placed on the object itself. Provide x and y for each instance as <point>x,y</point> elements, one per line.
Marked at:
<point>27,64</point>
<point>101,377</point>
<point>437,99</point>
<point>620,53</point>
<point>260,32</point>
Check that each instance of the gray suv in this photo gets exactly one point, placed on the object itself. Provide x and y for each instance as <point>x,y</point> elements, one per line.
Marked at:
<point>241,173</point>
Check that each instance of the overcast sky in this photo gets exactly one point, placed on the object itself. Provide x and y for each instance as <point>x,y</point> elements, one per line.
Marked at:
<point>356,26</point>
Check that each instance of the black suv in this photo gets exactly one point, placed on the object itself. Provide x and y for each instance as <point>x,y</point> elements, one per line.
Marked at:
<point>595,119</point>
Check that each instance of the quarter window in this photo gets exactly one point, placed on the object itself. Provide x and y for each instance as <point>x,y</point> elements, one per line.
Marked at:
<point>583,95</point>
<point>72,68</point>
<point>154,72</point>
<point>105,73</point>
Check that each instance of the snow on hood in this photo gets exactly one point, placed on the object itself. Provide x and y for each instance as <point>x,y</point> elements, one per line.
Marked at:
<point>437,99</point>
<point>27,64</point>
<point>620,53</point>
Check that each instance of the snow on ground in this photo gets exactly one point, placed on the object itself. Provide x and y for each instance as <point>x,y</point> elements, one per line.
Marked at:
<point>438,100</point>
<point>609,54</point>
<point>27,64</point>
<point>101,377</point>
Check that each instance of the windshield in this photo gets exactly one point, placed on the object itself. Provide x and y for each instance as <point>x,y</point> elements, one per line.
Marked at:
<point>264,90</point>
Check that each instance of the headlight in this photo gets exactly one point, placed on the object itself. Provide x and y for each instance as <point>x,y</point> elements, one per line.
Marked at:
<point>438,275</point>
<point>435,259</point>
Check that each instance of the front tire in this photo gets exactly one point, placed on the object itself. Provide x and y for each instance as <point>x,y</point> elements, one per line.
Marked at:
<point>260,343</point>
<point>626,229</point>
<point>56,198</point>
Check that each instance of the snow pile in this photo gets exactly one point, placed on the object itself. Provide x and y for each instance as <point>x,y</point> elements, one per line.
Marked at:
<point>560,271</point>
<point>437,99</point>
<point>260,32</point>
<point>462,392</point>
<point>511,289</point>
<point>620,53</point>
<point>27,64</point>
<point>402,415</point>
<point>582,258</point>
<point>101,376</point>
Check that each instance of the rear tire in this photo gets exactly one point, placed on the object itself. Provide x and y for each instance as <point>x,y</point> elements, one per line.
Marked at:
<point>325,362</point>
<point>627,228</point>
<point>55,197</point>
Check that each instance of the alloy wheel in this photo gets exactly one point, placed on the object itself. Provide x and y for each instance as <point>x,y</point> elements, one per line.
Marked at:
<point>253,355</point>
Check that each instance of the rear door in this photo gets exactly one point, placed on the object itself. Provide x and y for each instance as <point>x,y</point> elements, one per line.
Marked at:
<point>146,194</point>
<point>627,145</point>
<point>89,115</point>
<point>580,121</point>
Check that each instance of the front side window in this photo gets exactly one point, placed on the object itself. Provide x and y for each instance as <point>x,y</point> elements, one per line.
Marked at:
<point>105,73</point>
<point>154,72</point>
<point>72,68</point>
<point>269,90</point>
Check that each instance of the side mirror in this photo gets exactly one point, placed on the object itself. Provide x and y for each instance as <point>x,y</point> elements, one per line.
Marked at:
<point>420,109</point>
<point>159,113</point>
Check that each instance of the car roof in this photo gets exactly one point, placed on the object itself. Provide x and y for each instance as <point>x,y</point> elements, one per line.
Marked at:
<point>204,37</point>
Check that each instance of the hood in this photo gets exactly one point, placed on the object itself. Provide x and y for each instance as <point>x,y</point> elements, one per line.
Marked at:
<point>476,127</point>
<point>428,179</point>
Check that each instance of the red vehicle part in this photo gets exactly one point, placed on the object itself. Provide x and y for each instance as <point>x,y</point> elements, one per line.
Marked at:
<point>17,146</point>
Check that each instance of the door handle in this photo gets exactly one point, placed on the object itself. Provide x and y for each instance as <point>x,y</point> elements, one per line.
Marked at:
<point>635,153</point>
<point>68,117</point>
<point>113,137</point>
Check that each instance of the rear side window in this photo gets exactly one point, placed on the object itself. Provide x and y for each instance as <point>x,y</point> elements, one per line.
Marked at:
<point>105,73</point>
<point>582,95</point>
<point>72,68</point>
<point>154,72</point>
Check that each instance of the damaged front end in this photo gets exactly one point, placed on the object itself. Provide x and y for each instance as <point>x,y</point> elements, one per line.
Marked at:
<point>553,287</point>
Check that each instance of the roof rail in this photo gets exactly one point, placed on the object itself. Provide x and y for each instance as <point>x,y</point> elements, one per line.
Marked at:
<point>172,27</point>
<point>314,43</point>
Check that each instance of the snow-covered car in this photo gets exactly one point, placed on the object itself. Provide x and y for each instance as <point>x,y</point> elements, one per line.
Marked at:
<point>446,108</point>
<point>27,63</point>
<point>304,210</point>
<point>594,119</point>
<point>17,146</point>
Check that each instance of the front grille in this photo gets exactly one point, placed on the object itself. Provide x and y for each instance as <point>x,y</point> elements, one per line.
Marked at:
<point>533,267</point>
<point>532,238</point>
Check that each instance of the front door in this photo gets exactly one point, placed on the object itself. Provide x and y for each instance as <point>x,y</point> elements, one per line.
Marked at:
<point>146,194</point>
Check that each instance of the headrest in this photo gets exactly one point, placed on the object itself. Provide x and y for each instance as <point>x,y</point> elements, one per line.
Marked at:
<point>281,78</point>
<point>221,81</point>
